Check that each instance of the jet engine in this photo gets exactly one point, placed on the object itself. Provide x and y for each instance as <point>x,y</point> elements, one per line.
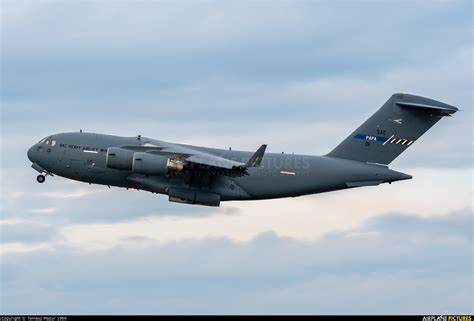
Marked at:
<point>119,158</point>
<point>152,164</point>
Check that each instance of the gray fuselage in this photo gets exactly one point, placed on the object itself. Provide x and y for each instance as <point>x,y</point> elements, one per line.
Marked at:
<point>82,157</point>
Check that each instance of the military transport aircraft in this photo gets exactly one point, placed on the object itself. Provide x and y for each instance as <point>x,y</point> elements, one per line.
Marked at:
<point>207,176</point>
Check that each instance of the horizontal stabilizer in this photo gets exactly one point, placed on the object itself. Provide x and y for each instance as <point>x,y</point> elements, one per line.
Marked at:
<point>441,110</point>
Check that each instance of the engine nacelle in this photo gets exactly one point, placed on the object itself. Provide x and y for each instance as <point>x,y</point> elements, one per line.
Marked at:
<point>119,158</point>
<point>152,164</point>
<point>188,196</point>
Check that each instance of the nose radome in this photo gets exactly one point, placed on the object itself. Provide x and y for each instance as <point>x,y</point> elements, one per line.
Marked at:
<point>30,153</point>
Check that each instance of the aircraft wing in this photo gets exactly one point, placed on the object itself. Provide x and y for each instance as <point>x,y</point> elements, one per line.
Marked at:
<point>197,156</point>
<point>214,161</point>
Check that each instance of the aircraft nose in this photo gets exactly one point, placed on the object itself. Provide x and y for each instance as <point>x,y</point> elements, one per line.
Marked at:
<point>31,153</point>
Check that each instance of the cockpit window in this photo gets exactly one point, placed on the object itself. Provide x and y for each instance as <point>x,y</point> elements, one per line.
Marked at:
<point>49,141</point>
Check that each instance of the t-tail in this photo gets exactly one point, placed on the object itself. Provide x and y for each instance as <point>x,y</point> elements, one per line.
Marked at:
<point>392,129</point>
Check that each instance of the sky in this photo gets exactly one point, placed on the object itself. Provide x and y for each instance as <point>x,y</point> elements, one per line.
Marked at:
<point>296,76</point>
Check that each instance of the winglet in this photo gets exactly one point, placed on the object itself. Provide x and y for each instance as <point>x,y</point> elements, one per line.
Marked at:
<point>257,157</point>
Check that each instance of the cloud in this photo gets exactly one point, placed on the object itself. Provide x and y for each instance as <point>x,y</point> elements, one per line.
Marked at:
<point>26,233</point>
<point>415,265</point>
<point>101,216</point>
<point>134,51</point>
<point>296,68</point>
<point>63,202</point>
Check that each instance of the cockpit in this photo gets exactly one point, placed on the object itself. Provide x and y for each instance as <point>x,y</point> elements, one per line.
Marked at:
<point>48,141</point>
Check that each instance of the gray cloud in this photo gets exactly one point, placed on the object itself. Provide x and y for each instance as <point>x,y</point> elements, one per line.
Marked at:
<point>264,63</point>
<point>393,264</point>
<point>26,233</point>
<point>161,48</point>
<point>83,203</point>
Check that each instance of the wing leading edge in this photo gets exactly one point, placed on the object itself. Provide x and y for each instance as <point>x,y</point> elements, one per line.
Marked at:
<point>201,158</point>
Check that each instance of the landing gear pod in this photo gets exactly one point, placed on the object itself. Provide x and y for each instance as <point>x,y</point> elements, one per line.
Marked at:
<point>188,196</point>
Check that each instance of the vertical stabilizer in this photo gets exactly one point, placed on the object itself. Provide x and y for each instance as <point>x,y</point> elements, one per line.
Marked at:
<point>392,129</point>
